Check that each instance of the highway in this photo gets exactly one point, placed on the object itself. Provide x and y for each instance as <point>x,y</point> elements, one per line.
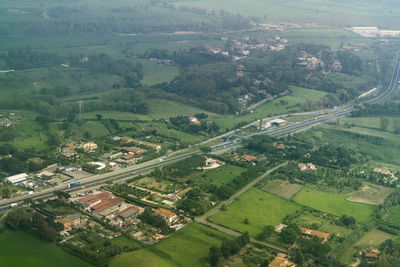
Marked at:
<point>131,171</point>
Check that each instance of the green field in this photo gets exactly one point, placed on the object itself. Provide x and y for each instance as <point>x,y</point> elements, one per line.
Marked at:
<point>221,175</point>
<point>393,215</point>
<point>335,204</point>
<point>259,207</point>
<point>29,134</point>
<point>187,247</point>
<point>299,95</point>
<point>23,249</point>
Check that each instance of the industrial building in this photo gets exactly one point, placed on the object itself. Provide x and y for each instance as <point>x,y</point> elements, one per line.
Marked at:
<point>17,179</point>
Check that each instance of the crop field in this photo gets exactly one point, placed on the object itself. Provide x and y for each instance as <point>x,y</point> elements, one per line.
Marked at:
<point>373,238</point>
<point>187,247</point>
<point>259,207</point>
<point>221,175</point>
<point>94,128</point>
<point>371,194</point>
<point>326,12</point>
<point>282,188</point>
<point>299,95</point>
<point>335,204</point>
<point>36,252</point>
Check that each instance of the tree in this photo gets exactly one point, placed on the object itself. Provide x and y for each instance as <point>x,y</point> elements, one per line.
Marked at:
<point>396,127</point>
<point>205,149</point>
<point>384,123</point>
<point>246,221</point>
<point>214,254</point>
<point>99,117</point>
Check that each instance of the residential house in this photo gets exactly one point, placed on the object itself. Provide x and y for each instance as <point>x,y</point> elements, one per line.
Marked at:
<point>169,216</point>
<point>281,260</point>
<point>70,221</point>
<point>370,254</point>
<point>89,147</point>
<point>309,233</point>
<point>280,227</point>
<point>248,158</point>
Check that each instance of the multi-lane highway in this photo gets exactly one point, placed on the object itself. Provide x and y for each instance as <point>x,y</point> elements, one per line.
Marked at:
<point>131,171</point>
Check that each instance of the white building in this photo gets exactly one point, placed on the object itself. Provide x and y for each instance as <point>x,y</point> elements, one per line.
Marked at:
<point>19,178</point>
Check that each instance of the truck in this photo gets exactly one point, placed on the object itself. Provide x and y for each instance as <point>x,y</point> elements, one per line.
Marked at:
<point>13,205</point>
<point>74,184</point>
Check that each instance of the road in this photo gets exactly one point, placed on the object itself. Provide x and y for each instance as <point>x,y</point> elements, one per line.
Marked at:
<point>129,172</point>
<point>204,218</point>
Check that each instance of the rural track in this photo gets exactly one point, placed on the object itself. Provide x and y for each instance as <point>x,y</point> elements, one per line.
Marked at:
<point>204,218</point>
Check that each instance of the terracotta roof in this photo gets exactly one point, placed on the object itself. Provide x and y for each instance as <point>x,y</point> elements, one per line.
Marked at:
<point>106,204</point>
<point>90,200</point>
<point>128,157</point>
<point>130,149</point>
<point>311,232</point>
<point>165,213</point>
<point>248,158</point>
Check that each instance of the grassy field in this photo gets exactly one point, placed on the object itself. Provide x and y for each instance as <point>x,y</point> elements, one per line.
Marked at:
<point>373,238</point>
<point>29,134</point>
<point>299,95</point>
<point>23,249</point>
<point>222,175</point>
<point>393,215</point>
<point>187,247</point>
<point>259,207</point>
<point>371,194</point>
<point>335,204</point>
<point>282,188</point>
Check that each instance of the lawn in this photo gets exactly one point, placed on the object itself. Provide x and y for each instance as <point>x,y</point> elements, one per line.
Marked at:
<point>29,134</point>
<point>334,203</point>
<point>373,238</point>
<point>259,207</point>
<point>187,247</point>
<point>23,249</point>
<point>221,175</point>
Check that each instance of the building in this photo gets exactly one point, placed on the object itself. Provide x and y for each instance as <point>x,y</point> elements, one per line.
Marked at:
<point>107,207</point>
<point>306,167</point>
<point>92,200</point>
<point>370,254</point>
<point>248,158</point>
<point>128,213</point>
<point>309,233</point>
<point>70,221</point>
<point>278,122</point>
<point>17,179</point>
<point>280,227</point>
<point>281,261</point>
<point>89,147</point>
<point>169,216</point>
<point>194,120</point>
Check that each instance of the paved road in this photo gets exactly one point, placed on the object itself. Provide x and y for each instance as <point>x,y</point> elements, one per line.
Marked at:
<point>204,218</point>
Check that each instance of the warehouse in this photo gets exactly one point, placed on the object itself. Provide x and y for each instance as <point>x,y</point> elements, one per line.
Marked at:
<point>19,178</point>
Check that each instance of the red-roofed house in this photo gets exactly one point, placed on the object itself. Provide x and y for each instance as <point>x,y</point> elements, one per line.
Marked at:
<point>169,216</point>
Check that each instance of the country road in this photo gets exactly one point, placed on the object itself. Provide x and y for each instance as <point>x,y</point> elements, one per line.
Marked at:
<point>204,218</point>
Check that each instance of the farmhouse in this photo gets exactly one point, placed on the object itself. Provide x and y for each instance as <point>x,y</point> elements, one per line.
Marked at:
<point>309,233</point>
<point>370,254</point>
<point>194,120</point>
<point>17,179</point>
<point>306,167</point>
<point>281,261</point>
<point>169,216</point>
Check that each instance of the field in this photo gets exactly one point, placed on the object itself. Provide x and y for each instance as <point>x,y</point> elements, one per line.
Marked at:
<point>221,175</point>
<point>299,95</point>
<point>335,204</point>
<point>371,194</point>
<point>36,252</point>
<point>187,247</point>
<point>282,188</point>
<point>393,215</point>
<point>373,238</point>
<point>152,183</point>
<point>259,207</point>
<point>29,134</point>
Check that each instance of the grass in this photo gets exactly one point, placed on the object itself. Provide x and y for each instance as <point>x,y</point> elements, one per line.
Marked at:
<point>29,134</point>
<point>23,249</point>
<point>393,215</point>
<point>260,208</point>
<point>373,238</point>
<point>187,247</point>
<point>299,95</point>
<point>221,175</point>
<point>282,188</point>
<point>335,204</point>
<point>371,194</point>
<point>95,129</point>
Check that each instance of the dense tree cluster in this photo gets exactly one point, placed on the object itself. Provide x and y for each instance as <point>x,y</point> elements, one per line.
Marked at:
<point>228,248</point>
<point>150,218</point>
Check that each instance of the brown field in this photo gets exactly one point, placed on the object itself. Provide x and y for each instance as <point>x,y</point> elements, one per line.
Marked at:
<point>151,183</point>
<point>371,194</point>
<point>282,188</point>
